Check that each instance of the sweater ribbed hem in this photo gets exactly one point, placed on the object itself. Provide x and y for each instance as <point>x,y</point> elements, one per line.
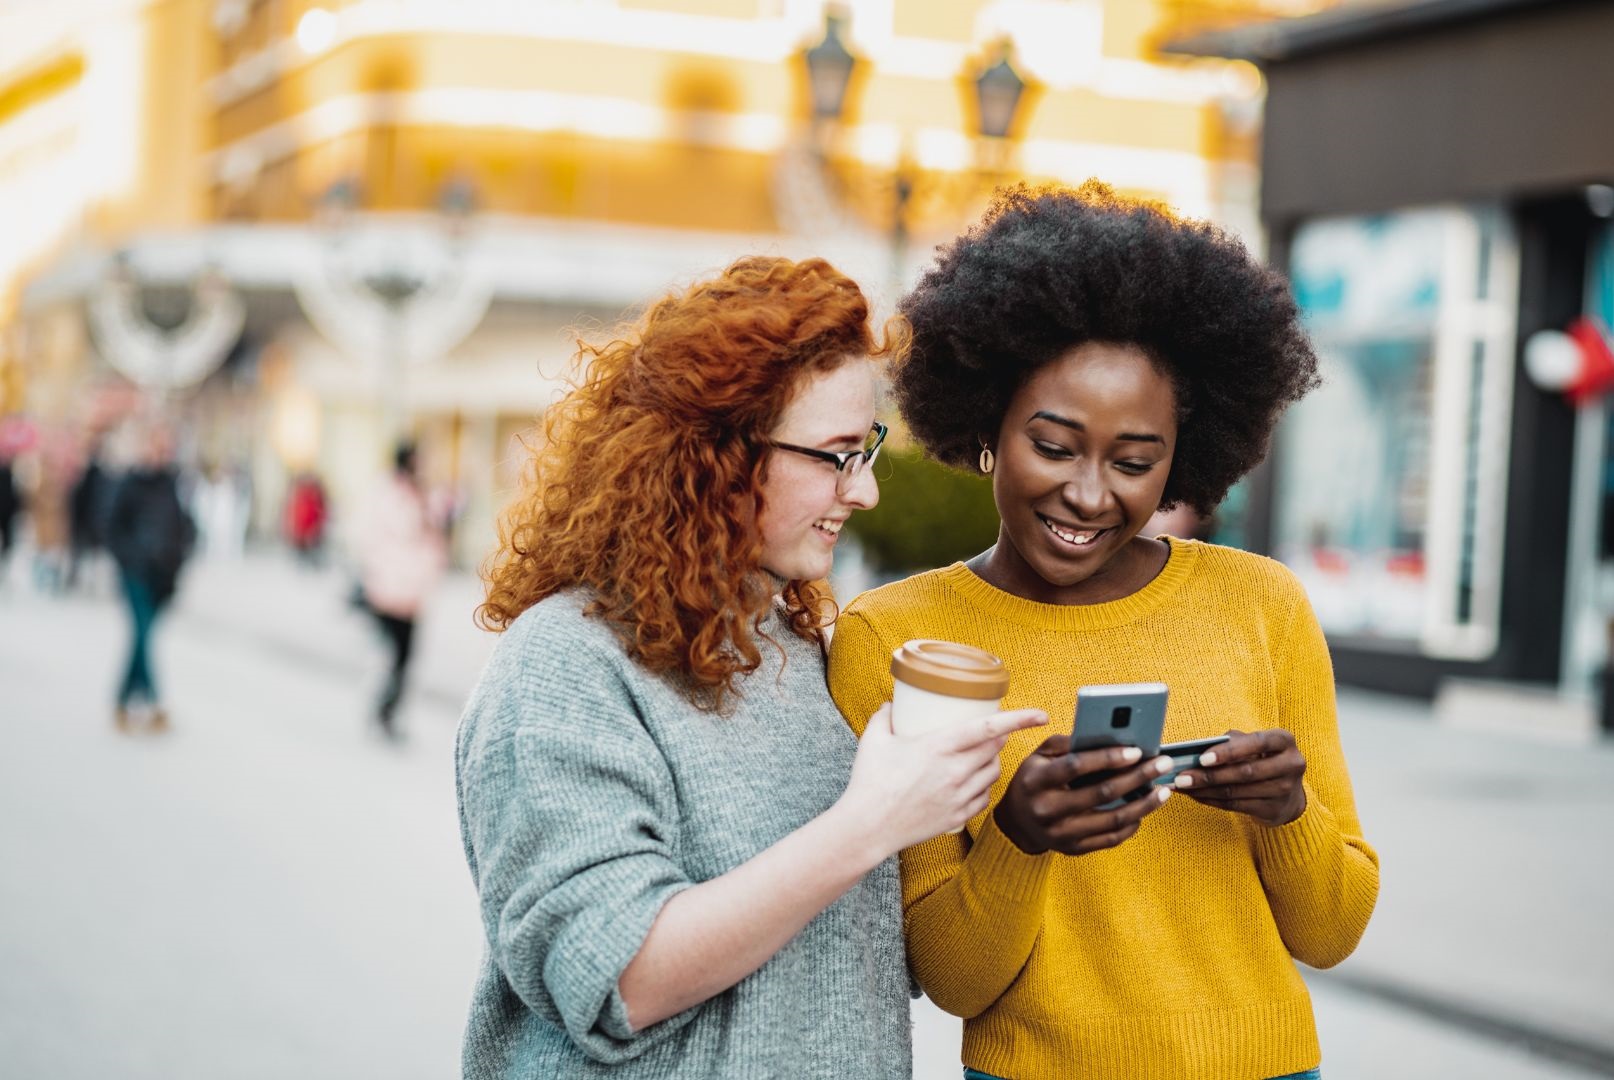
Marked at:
<point>1287,847</point>
<point>1268,1039</point>
<point>1003,605</point>
<point>998,868</point>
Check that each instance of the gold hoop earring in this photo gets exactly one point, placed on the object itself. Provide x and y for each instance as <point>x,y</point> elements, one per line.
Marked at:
<point>987,460</point>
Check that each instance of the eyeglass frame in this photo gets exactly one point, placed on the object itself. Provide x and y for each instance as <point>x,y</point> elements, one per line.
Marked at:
<point>840,458</point>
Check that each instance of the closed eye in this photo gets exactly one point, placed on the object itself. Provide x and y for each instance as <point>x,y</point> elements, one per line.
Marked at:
<point>1050,450</point>
<point>1134,468</point>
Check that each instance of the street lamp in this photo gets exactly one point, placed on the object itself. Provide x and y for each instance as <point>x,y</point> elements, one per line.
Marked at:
<point>394,290</point>
<point>998,89</point>
<point>829,70</point>
<point>999,93</point>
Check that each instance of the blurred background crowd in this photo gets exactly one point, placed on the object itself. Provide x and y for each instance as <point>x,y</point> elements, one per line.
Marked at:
<point>297,235</point>
<point>307,229</point>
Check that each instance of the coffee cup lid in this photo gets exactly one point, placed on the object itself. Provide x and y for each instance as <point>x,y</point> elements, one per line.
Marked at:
<point>946,667</point>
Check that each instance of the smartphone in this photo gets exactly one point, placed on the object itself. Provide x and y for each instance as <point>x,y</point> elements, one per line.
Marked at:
<point>1118,714</point>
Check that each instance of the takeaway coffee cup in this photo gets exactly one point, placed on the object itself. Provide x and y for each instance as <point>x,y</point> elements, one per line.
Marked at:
<point>937,683</point>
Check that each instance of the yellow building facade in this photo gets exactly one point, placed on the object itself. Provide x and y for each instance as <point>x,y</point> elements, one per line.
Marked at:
<point>417,202</point>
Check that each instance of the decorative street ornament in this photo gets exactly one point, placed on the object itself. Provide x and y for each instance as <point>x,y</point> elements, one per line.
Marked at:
<point>159,359</point>
<point>388,292</point>
<point>1578,363</point>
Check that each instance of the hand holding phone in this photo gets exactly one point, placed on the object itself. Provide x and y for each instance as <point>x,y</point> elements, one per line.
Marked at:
<point>1042,811</point>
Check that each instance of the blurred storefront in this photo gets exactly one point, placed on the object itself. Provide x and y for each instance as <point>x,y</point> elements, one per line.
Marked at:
<point>314,226</point>
<point>1436,184</point>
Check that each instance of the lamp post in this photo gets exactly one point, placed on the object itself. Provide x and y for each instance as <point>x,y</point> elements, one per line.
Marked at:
<point>829,70</point>
<point>998,90</point>
<point>998,93</point>
<point>392,291</point>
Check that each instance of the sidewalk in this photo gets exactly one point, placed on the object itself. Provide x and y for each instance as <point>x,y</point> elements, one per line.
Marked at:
<point>1496,850</point>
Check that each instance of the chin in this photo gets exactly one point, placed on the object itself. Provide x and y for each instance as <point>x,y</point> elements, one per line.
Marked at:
<point>800,569</point>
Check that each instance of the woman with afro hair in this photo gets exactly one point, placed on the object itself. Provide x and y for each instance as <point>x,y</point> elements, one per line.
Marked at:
<point>684,859</point>
<point>1102,359</point>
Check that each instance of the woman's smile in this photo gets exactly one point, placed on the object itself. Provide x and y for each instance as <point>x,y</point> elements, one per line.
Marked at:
<point>829,529</point>
<point>1072,536</point>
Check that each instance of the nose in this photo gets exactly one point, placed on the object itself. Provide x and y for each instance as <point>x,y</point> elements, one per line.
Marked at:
<point>863,491</point>
<point>1086,492</point>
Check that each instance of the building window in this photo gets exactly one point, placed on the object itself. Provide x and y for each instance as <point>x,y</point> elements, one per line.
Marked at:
<point>1390,481</point>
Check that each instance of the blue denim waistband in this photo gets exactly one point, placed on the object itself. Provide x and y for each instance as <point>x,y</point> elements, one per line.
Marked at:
<point>1309,1074</point>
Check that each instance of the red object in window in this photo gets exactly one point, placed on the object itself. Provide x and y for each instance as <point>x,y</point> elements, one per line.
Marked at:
<point>1329,561</point>
<point>1596,375</point>
<point>1405,564</point>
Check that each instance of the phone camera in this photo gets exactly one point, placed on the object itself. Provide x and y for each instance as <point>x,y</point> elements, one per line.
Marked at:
<point>1121,716</point>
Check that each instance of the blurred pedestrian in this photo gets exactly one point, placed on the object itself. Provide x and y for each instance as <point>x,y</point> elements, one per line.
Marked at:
<point>55,469</point>
<point>401,555</point>
<point>222,501</point>
<point>86,513</point>
<point>1181,521</point>
<point>150,536</point>
<point>683,858</point>
<point>10,507</point>
<point>307,511</point>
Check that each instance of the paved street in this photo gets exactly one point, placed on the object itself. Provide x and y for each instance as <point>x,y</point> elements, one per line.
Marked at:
<point>271,891</point>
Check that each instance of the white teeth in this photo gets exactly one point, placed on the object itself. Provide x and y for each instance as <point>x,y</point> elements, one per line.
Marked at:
<point>1081,539</point>
<point>829,526</point>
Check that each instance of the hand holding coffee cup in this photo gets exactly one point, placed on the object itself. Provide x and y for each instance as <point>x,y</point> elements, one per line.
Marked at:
<point>907,789</point>
<point>938,684</point>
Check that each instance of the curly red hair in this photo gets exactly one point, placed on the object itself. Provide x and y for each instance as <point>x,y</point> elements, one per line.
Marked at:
<point>648,485</point>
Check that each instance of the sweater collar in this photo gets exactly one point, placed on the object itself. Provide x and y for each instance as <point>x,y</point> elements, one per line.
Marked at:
<point>989,598</point>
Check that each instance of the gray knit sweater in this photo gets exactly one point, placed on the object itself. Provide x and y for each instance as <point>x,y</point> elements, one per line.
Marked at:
<point>591,792</point>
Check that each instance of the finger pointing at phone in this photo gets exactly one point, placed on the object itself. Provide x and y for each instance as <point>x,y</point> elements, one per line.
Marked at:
<point>1258,774</point>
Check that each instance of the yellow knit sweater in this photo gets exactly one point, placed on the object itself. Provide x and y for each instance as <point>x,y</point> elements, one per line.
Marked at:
<point>1169,956</point>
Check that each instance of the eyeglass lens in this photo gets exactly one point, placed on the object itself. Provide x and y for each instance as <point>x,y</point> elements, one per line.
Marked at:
<point>856,464</point>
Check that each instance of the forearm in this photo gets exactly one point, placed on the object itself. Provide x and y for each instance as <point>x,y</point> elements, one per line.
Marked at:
<point>970,935</point>
<point>711,936</point>
<point>1321,883</point>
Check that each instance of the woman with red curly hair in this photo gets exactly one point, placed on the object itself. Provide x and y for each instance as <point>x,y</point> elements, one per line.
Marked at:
<point>684,859</point>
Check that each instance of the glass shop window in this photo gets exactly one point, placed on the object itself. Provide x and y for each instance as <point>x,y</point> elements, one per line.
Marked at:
<point>1390,479</point>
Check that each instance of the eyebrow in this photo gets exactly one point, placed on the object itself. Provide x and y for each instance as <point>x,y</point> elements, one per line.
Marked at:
<point>831,440</point>
<point>1075,425</point>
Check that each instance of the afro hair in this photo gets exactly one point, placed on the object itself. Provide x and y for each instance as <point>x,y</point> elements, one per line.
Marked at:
<point>1051,268</point>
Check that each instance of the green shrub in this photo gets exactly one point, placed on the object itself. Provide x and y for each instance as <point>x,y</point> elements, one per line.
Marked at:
<point>929,515</point>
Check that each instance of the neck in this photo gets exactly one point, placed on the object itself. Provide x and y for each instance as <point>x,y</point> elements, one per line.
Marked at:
<point>1124,573</point>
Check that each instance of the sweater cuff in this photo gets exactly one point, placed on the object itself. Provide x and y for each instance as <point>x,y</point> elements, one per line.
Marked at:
<point>1301,841</point>
<point>997,868</point>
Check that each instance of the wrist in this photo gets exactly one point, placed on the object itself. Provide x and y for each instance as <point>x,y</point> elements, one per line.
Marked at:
<point>1011,832</point>
<point>1299,808</point>
<point>854,832</point>
<point>1291,813</point>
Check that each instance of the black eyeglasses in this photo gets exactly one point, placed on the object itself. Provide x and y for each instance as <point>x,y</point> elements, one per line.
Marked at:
<point>849,464</point>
